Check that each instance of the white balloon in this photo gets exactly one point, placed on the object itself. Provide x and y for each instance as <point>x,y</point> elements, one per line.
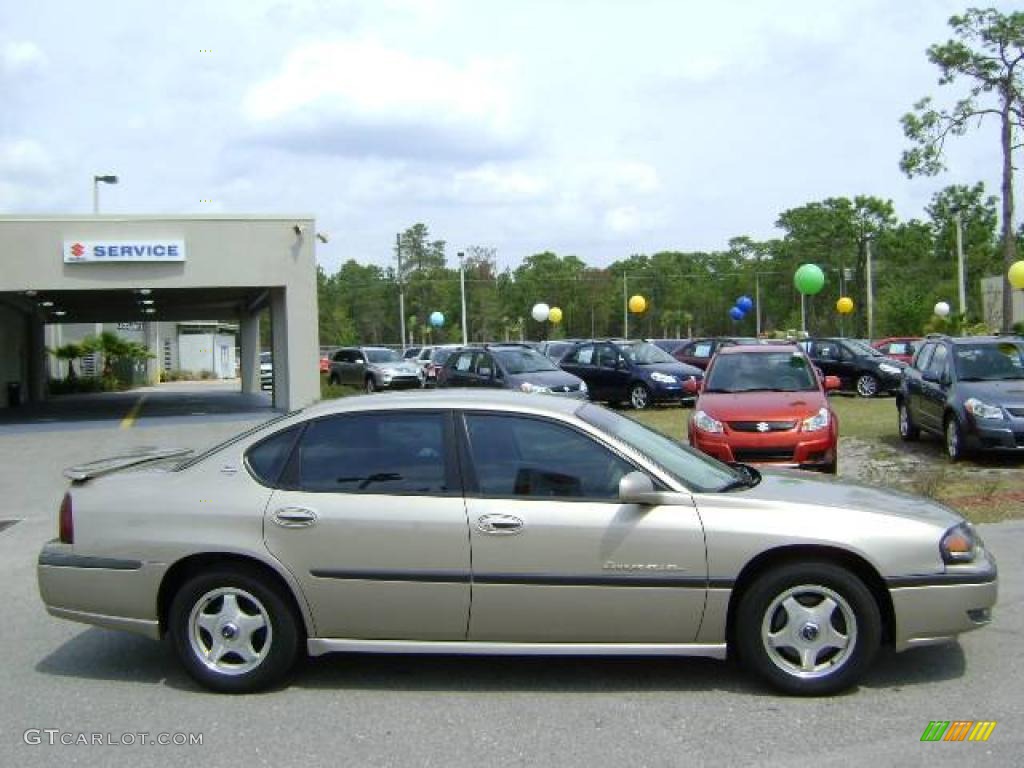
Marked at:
<point>540,312</point>
<point>942,309</point>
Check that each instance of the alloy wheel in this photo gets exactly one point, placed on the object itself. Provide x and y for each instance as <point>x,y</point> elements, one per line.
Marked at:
<point>809,631</point>
<point>229,631</point>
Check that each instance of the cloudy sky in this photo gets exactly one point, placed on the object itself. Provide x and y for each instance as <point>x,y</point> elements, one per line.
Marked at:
<point>600,128</point>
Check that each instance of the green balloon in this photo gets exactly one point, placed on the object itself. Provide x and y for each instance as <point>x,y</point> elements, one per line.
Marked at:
<point>809,279</point>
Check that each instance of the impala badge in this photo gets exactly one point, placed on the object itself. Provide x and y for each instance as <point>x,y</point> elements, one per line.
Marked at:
<point>613,566</point>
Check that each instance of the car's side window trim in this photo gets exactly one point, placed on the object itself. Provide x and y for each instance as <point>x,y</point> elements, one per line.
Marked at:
<point>471,481</point>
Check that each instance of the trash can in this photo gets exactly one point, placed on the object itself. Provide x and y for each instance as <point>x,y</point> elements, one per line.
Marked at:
<point>13,394</point>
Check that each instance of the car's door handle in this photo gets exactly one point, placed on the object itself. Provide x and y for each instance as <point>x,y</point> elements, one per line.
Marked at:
<point>294,517</point>
<point>499,525</point>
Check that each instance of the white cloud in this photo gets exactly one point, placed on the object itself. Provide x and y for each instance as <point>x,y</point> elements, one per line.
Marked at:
<point>19,57</point>
<point>25,159</point>
<point>362,98</point>
<point>493,184</point>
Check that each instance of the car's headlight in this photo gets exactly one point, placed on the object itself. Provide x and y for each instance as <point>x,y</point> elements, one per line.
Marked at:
<point>980,410</point>
<point>892,370</point>
<point>533,388</point>
<point>386,375</point>
<point>663,378</point>
<point>816,422</point>
<point>705,423</point>
<point>959,544</point>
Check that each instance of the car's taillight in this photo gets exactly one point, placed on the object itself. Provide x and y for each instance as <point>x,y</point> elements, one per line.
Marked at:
<point>66,521</point>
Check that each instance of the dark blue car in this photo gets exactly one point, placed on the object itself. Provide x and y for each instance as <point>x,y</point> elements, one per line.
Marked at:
<point>636,371</point>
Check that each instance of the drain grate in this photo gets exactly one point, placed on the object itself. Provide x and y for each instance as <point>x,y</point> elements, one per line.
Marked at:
<point>5,524</point>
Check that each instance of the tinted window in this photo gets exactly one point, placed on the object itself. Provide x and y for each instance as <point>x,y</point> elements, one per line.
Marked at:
<point>484,365</point>
<point>439,356</point>
<point>464,361</point>
<point>382,355</point>
<point>516,456</point>
<point>585,355</point>
<point>267,458</point>
<point>374,453</point>
<point>989,362</point>
<point>647,354</point>
<point>924,357</point>
<point>524,360</point>
<point>937,365</point>
<point>700,349</point>
<point>778,371</point>
<point>608,356</point>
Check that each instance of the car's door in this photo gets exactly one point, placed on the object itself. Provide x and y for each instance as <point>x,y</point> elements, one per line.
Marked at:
<point>579,362</point>
<point>615,371</point>
<point>557,557</point>
<point>486,371</point>
<point>371,521</point>
<point>934,382</point>
<point>460,371</point>
<point>912,383</point>
<point>355,368</point>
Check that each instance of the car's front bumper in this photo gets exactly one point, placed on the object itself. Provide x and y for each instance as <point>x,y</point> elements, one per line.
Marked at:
<point>107,592</point>
<point>808,450</point>
<point>991,435</point>
<point>936,608</point>
<point>400,382</point>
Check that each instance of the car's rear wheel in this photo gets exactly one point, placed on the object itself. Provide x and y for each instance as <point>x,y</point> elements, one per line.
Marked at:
<point>371,384</point>
<point>639,396</point>
<point>908,430</point>
<point>867,385</point>
<point>808,628</point>
<point>233,632</point>
<point>955,448</point>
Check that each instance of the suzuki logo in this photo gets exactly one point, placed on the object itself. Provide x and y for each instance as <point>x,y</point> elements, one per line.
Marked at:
<point>762,426</point>
<point>77,250</point>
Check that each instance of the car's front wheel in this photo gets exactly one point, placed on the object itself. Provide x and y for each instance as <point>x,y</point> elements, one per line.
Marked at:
<point>808,628</point>
<point>955,448</point>
<point>867,385</point>
<point>908,430</point>
<point>639,396</point>
<point>371,384</point>
<point>233,632</point>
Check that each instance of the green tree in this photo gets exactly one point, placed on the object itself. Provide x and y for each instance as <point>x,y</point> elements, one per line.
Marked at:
<point>69,353</point>
<point>988,55</point>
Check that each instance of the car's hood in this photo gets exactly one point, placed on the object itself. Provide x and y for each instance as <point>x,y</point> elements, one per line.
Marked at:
<point>761,406</point>
<point>798,486</point>
<point>399,366</point>
<point>546,379</point>
<point>1008,392</point>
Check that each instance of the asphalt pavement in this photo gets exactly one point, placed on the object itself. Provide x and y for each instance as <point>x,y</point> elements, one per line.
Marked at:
<point>64,681</point>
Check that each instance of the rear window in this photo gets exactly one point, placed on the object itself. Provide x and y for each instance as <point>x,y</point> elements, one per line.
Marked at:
<point>267,458</point>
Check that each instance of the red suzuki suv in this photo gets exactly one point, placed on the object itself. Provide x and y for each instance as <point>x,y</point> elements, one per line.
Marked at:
<point>766,404</point>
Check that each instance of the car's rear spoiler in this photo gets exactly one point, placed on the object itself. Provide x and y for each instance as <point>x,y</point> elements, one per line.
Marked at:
<point>83,472</point>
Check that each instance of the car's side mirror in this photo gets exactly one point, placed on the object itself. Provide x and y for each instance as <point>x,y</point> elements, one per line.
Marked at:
<point>832,383</point>
<point>637,488</point>
<point>930,376</point>
<point>360,361</point>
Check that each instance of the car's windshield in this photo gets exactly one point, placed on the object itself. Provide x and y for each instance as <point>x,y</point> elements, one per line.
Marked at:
<point>381,355</point>
<point>440,355</point>
<point>697,471</point>
<point>989,362</point>
<point>859,347</point>
<point>645,353</point>
<point>759,371</point>
<point>523,360</point>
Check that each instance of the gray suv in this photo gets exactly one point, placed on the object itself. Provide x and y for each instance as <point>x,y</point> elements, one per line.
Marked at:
<point>373,369</point>
<point>509,366</point>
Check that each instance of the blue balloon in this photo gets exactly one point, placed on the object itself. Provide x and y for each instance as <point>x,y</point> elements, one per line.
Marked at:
<point>744,303</point>
<point>436,319</point>
<point>736,313</point>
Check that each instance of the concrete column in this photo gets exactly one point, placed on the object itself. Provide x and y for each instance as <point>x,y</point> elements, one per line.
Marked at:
<point>249,342</point>
<point>37,360</point>
<point>151,338</point>
<point>295,350</point>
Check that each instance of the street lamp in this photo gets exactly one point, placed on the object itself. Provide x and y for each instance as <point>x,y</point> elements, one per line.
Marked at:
<point>462,292</point>
<point>107,179</point>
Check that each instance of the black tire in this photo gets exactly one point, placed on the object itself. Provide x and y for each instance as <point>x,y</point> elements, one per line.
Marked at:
<point>867,385</point>
<point>853,614</point>
<point>371,385</point>
<point>277,645</point>
<point>953,435</point>
<point>639,396</point>
<point>908,430</point>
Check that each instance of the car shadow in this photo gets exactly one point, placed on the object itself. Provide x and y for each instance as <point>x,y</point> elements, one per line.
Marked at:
<point>99,654</point>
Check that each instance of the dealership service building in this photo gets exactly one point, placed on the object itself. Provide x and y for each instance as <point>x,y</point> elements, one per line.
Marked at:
<point>151,271</point>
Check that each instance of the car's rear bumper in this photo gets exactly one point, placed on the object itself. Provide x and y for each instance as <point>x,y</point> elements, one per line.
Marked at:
<point>108,592</point>
<point>935,609</point>
<point>808,450</point>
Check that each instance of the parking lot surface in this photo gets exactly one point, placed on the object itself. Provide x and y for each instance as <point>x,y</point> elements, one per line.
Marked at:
<point>450,711</point>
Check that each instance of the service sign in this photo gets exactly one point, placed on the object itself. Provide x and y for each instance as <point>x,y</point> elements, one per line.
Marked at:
<point>76,251</point>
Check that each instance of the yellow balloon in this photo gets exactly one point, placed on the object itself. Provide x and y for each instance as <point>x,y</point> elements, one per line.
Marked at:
<point>637,304</point>
<point>844,306</point>
<point>555,315</point>
<point>1016,275</point>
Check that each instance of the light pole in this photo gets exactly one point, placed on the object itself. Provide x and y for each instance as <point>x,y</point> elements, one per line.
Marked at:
<point>962,290</point>
<point>869,288</point>
<point>625,307</point>
<point>107,179</point>
<point>462,293</point>
<point>401,290</point>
